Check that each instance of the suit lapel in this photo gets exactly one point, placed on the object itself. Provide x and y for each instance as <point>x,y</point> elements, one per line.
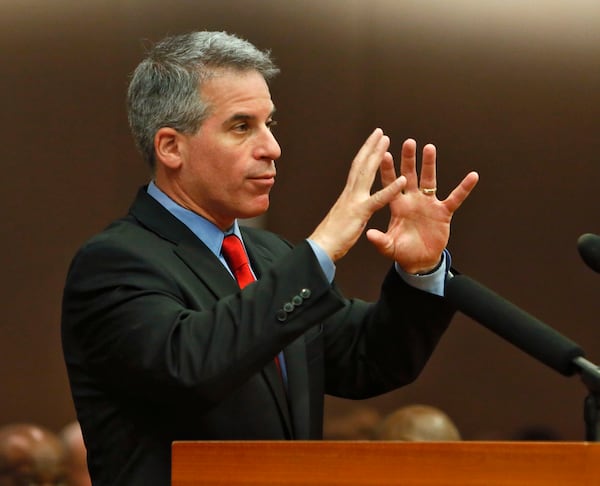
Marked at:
<point>195,254</point>
<point>261,257</point>
<point>207,267</point>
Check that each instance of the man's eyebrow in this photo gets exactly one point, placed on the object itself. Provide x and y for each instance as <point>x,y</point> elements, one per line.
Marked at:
<point>245,116</point>
<point>240,117</point>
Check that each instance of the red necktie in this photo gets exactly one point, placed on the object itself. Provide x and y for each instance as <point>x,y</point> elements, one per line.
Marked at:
<point>235,256</point>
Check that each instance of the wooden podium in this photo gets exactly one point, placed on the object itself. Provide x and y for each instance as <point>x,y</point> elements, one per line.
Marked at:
<point>329,463</point>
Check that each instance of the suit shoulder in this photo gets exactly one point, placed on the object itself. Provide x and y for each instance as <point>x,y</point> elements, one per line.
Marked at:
<point>123,237</point>
<point>118,233</point>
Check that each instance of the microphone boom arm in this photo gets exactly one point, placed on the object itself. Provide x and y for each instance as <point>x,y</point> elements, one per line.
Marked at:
<point>590,375</point>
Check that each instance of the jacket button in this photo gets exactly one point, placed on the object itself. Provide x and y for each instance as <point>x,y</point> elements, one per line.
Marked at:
<point>288,307</point>
<point>297,300</point>
<point>281,315</point>
<point>305,293</point>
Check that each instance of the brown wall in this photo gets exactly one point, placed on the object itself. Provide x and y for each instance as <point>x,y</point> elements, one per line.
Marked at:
<point>508,91</point>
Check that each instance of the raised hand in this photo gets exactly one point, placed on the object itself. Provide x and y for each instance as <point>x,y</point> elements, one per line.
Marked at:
<point>348,217</point>
<point>419,226</point>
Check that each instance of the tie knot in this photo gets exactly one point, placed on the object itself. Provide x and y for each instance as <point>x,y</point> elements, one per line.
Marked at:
<point>235,256</point>
<point>233,251</point>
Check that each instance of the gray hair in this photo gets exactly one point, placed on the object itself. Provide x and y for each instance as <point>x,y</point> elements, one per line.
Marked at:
<point>163,91</point>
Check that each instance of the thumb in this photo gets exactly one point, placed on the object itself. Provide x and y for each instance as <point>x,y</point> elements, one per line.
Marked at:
<point>381,241</point>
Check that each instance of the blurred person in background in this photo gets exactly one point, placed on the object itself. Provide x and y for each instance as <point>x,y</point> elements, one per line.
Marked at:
<point>31,455</point>
<point>417,423</point>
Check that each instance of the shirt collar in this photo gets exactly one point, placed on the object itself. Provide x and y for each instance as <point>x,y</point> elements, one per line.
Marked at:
<point>208,233</point>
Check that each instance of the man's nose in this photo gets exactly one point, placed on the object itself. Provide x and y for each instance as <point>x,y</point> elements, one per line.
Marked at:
<point>268,147</point>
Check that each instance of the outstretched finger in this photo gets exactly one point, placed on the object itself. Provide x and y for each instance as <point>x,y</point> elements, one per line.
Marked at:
<point>369,143</point>
<point>428,178</point>
<point>461,192</point>
<point>387,170</point>
<point>384,196</point>
<point>368,159</point>
<point>408,163</point>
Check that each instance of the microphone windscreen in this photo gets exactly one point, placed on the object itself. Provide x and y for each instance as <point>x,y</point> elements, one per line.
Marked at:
<point>589,249</point>
<point>513,324</point>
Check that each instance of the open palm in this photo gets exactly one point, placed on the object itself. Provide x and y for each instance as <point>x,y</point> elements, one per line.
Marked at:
<point>419,226</point>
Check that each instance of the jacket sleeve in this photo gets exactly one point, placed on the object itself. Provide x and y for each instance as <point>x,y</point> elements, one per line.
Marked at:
<point>372,348</point>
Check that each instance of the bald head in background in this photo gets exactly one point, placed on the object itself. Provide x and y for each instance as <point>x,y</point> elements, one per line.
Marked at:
<point>31,454</point>
<point>416,423</point>
<point>77,470</point>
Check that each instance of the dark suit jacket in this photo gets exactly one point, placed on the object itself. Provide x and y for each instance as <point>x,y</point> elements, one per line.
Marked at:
<point>160,344</point>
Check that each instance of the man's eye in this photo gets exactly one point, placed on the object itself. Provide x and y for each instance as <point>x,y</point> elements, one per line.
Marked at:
<point>242,127</point>
<point>271,124</point>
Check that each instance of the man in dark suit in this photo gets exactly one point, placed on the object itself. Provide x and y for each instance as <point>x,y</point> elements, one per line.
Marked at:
<point>160,342</point>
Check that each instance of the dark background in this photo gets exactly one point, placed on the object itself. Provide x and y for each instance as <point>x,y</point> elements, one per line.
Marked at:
<point>508,88</point>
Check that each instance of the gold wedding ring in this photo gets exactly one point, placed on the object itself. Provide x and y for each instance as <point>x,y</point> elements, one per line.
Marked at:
<point>429,191</point>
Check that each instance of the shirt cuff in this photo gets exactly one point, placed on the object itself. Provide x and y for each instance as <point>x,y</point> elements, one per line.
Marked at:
<point>432,282</point>
<point>326,263</point>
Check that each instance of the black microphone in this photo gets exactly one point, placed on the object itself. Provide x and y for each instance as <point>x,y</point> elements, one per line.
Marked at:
<point>589,249</point>
<point>513,324</point>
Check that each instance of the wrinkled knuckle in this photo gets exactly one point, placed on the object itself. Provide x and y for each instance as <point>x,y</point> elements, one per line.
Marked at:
<point>378,199</point>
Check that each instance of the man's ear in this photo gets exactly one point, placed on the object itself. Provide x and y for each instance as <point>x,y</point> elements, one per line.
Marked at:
<point>168,145</point>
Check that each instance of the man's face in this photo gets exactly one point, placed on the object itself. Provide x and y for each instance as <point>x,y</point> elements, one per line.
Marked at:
<point>228,166</point>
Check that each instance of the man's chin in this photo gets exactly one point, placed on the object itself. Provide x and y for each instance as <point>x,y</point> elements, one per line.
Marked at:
<point>256,215</point>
